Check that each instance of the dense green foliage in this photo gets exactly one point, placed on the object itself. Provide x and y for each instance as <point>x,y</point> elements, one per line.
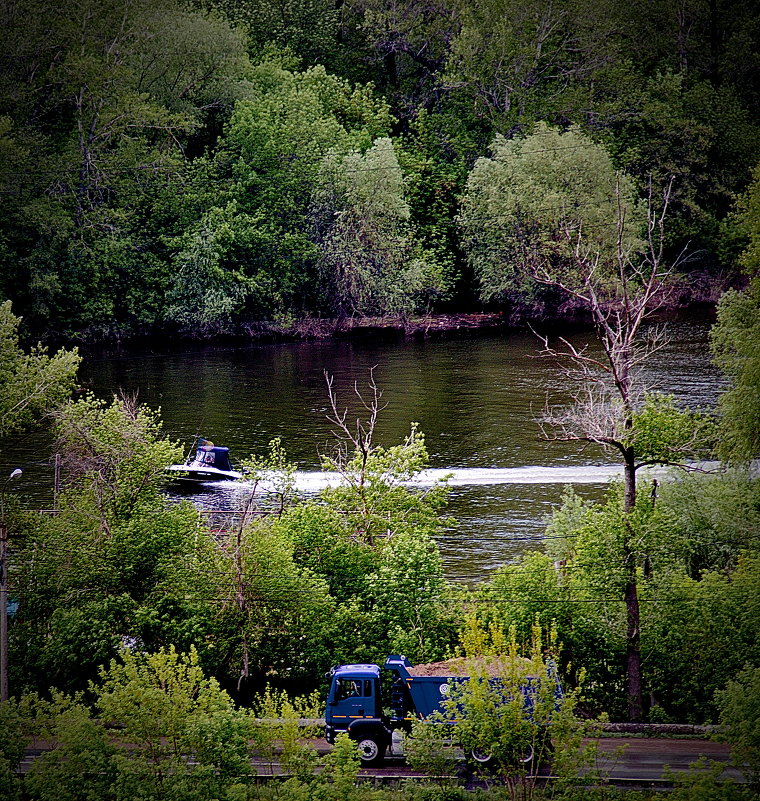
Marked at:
<point>735,339</point>
<point>139,606</point>
<point>30,383</point>
<point>205,166</point>
<point>278,596</point>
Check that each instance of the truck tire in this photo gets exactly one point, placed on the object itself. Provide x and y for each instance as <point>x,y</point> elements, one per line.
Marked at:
<point>371,752</point>
<point>528,754</point>
<point>480,756</point>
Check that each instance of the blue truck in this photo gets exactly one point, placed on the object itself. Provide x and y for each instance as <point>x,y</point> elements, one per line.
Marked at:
<point>356,702</point>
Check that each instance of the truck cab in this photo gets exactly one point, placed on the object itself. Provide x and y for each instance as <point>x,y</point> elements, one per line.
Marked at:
<point>354,706</point>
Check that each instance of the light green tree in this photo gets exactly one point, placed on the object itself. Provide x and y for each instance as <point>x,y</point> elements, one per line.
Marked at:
<point>735,337</point>
<point>30,383</point>
<point>739,705</point>
<point>511,713</point>
<point>371,538</point>
<point>362,229</point>
<point>82,765</point>
<point>114,454</point>
<point>537,203</point>
<point>181,733</point>
<point>374,492</point>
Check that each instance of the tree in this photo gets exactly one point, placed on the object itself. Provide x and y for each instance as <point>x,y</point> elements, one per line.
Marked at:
<point>311,29</point>
<point>739,706</point>
<point>613,409</point>
<point>83,764</point>
<point>117,563</point>
<point>511,713</point>
<point>519,61</point>
<point>179,729</point>
<point>735,340</point>
<point>251,254</point>
<point>412,40</point>
<point>100,111</point>
<point>371,538</point>
<point>30,383</point>
<point>114,455</point>
<point>11,751</point>
<point>369,264</point>
<point>533,202</point>
<point>373,491</point>
<point>272,610</point>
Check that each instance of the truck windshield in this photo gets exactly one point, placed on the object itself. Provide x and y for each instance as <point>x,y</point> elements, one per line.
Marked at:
<point>352,688</point>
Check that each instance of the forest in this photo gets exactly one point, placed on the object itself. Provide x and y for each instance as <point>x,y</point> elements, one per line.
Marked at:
<point>225,167</point>
<point>202,170</point>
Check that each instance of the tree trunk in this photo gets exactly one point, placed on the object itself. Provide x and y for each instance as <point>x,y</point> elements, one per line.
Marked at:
<point>391,69</point>
<point>633,644</point>
<point>633,617</point>
<point>629,478</point>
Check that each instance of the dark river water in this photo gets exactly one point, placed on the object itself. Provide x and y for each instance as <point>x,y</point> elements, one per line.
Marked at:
<point>475,399</point>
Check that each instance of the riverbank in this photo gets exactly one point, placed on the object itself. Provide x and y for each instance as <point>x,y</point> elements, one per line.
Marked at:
<point>693,295</point>
<point>414,326</point>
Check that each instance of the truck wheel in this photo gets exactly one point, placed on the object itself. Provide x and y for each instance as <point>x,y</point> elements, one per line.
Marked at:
<point>370,751</point>
<point>480,756</point>
<point>527,755</point>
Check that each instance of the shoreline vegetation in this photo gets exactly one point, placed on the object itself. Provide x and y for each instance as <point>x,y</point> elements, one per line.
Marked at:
<point>388,327</point>
<point>682,295</point>
<point>322,169</point>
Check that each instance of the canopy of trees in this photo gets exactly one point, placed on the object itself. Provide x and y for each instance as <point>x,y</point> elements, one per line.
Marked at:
<point>201,166</point>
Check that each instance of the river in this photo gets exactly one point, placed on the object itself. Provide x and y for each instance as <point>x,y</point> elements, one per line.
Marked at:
<point>476,399</point>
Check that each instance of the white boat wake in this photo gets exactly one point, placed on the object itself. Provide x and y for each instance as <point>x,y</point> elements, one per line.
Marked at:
<point>482,476</point>
<point>315,481</point>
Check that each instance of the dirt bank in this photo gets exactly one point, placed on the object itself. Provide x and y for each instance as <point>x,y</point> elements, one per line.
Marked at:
<point>414,326</point>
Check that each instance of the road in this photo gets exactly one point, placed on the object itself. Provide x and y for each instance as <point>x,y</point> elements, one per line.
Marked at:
<point>646,759</point>
<point>621,759</point>
<point>624,760</point>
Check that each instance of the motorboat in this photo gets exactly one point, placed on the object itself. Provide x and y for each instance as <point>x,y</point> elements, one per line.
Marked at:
<point>210,463</point>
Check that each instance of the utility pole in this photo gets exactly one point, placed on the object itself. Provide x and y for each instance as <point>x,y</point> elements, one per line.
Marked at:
<point>57,481</point>
<point>4,591</point>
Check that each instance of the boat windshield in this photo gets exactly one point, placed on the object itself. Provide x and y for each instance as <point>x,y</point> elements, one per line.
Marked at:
<point>213,457</point>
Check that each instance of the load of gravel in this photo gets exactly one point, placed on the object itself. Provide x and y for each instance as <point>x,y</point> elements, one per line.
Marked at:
<point>491,666</point>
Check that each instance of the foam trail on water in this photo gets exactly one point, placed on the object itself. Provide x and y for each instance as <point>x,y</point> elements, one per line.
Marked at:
<point>532,474</point>
<point>313,482</point>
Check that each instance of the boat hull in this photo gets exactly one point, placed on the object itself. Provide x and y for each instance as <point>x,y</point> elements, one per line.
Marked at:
<point>198,475</point>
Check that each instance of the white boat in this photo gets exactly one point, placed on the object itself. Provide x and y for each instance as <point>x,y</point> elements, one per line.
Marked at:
<point>210,463</point>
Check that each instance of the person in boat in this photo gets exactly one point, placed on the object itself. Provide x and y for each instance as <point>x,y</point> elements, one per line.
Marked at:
<point>205,453</point>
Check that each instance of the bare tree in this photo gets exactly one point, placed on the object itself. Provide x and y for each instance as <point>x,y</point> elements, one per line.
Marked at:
<point>355,444</point>
<point>620,297</point>
<point>620,301</point>
<point>373,495</point>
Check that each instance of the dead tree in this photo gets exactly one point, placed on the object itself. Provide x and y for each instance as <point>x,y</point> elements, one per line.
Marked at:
<point>356,441</point>
<point>620,294</point>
